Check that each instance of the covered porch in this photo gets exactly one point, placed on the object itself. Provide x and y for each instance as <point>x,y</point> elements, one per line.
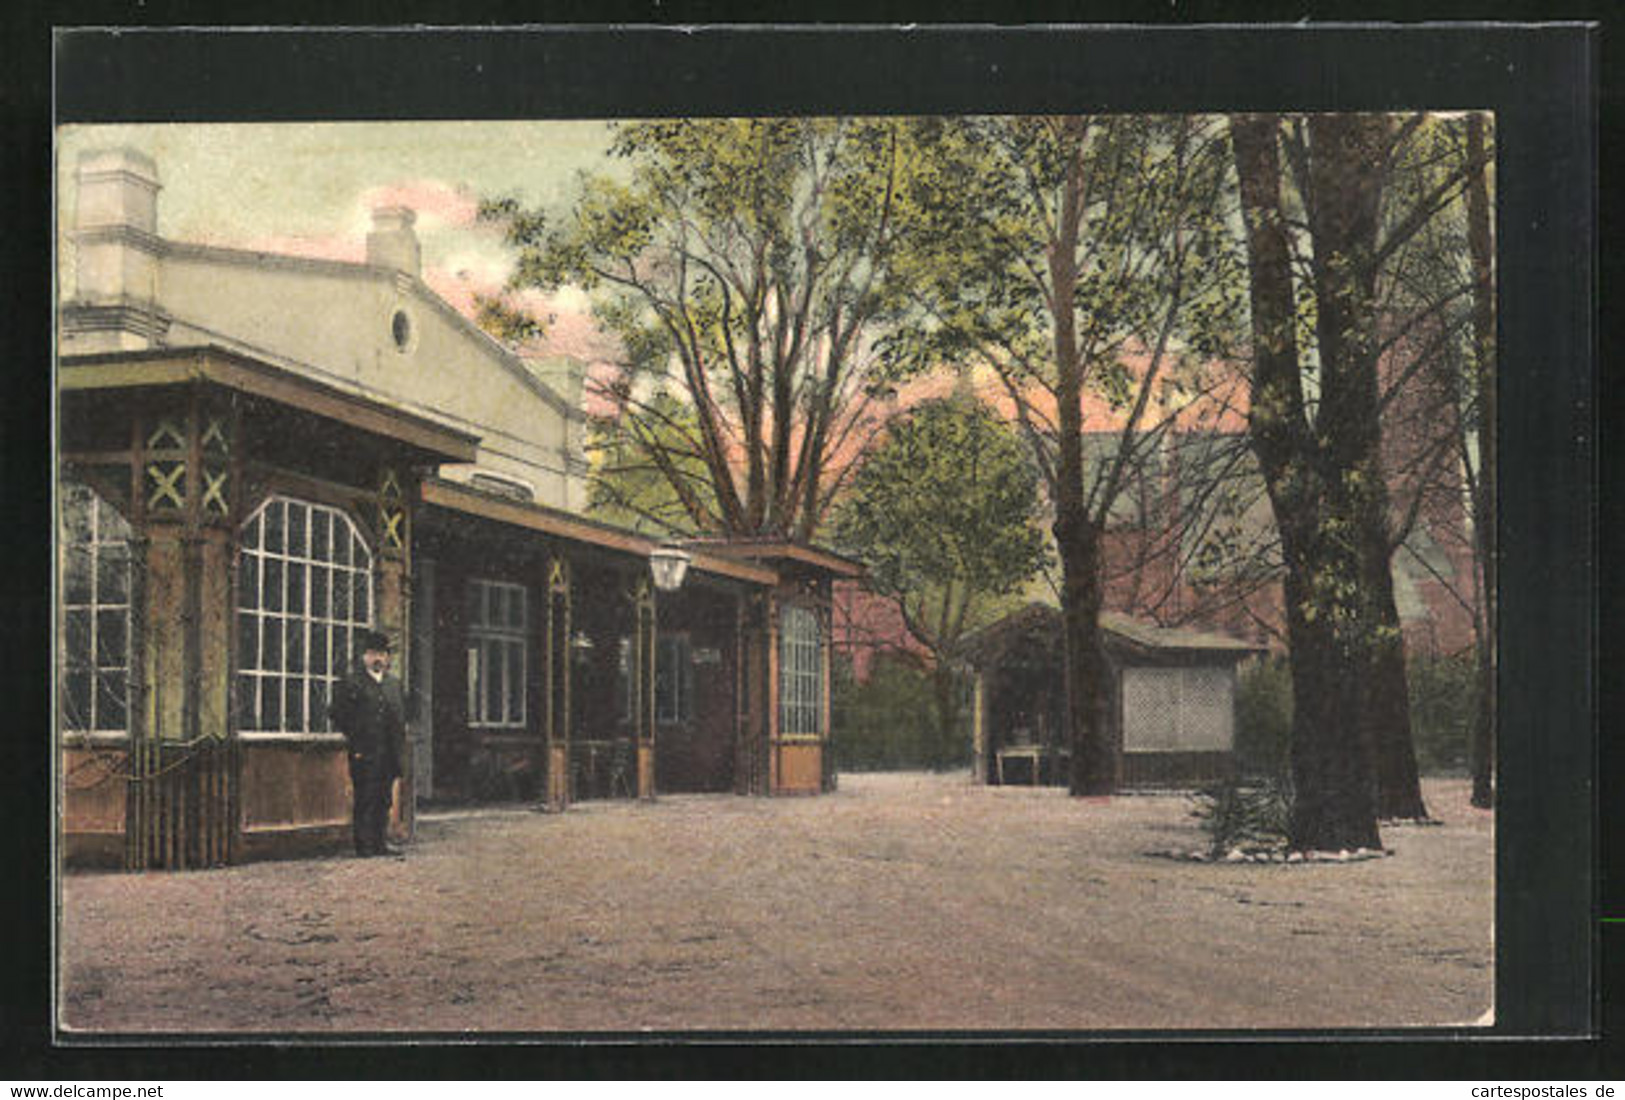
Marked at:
<point>225,529</point>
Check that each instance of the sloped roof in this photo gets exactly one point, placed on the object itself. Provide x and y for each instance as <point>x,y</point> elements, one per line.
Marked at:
<point>1122,634</point>
<point>404,281</point>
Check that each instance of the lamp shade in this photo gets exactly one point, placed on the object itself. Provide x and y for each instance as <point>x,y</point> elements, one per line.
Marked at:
<point>669,564</point>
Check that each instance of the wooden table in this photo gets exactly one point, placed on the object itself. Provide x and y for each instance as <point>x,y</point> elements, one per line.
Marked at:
<point>1033,754</point>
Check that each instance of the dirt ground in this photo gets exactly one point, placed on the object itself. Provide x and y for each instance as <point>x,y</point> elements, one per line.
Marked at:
<point>901,902</point>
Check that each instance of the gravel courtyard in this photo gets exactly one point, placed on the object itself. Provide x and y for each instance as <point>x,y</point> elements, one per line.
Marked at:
<point>901,902</point>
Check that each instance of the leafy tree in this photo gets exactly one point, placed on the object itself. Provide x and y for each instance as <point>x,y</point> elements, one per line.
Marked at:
<point>1080,259</point>
<point>1316,424</point>
<point>1481,476</point>
<point>635,465</point>
<point>741,264</point>
<point>1437,306</point>
<point>943,511</point>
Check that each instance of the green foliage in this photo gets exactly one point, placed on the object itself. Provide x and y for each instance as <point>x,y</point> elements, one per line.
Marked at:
<point>1264,717</point>
<point>979,216</point>
<point>889,723</point>
<point>948,499</point>
<point>507,322</point>
<point>1444,700</point>
<point>1244,814</point>
<point>739,264</point>
<point>639,467</point>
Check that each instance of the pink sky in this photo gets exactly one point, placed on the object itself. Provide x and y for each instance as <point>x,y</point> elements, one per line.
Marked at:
<point>471,261</point>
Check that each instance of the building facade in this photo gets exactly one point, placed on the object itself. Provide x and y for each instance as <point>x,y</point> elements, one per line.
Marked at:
<point>261,455</point>
<point>1171,701</point>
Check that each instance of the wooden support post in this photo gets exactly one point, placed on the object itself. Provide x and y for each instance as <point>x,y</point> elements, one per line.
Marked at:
<point>556,683</point>
<point>643,669</point>
<point>770,698</point>
<point>390,613</point>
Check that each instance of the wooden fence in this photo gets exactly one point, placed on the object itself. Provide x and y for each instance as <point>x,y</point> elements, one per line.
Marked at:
<point>183,801</point>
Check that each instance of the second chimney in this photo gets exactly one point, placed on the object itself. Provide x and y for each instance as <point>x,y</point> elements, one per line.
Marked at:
<point>392,242</point>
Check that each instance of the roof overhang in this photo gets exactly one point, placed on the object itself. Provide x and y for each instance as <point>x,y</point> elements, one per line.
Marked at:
<point>457,497</point>
<point>1121,633</point>
<point>777,552</point>
<point>229,370</point>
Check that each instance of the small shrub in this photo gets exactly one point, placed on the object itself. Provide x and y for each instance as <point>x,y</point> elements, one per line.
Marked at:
<point>1264,717</point>
<point>1444,700</point>
<point>1244,814</point>
<point>889,723</point>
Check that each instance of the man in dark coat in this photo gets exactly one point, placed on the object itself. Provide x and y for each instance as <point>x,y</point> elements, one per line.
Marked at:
<point>367,708</point>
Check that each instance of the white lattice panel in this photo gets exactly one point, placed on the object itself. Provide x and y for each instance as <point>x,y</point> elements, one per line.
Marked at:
<point>1150,709</point>
<point>1177,709</point>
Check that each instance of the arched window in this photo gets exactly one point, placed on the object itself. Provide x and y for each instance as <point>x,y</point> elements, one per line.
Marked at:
<point>94,547</point>
<point>801,672</point>
<point>304,587</point>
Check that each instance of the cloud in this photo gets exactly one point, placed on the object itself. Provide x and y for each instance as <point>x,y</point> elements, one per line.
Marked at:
<point>439,205</point>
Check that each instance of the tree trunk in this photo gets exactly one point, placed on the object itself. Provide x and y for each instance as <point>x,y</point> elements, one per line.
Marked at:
<point>1334,782</point>
<point>1347,178</point>
<point>1481,252</point>
<point>945,692</point>
<point>1095,758</point>
<point>1387,706</point>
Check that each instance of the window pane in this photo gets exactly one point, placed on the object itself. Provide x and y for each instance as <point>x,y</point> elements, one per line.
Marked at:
<point>76,638</point>
<point>272,639</point>
<point>318,649</point>
<point>275,516</point>
<point>296,588</point>
<point>363,604</point>
<point>76,701</point>
<point>297,547</point>
<point>321,535</point>
<point>248,641</point>
<point>76,574</point>
<point>270,703</point>
<point>341,594</point>
<point>110,630</point>
<point>77,502</point>
<point>271,590</point>
<point>318,706</point>
<point>493,681</point>
<point>293,652</point>
<point>112,711</point>
<point>342,660</point>
<point>293,709</point>
<point>113,573</point>
<point>320,577</point>
<point>245,702</point>
<point>248,581</point>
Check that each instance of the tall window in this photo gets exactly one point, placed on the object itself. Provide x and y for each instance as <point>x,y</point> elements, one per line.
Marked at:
<point>674,679</point>
<point>95,644</point>
<point>496,655</point>
<point>304,587</point>
<point>801,672</point>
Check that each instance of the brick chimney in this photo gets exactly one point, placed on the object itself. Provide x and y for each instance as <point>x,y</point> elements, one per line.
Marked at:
<point>114,301</point>
<point>392,242</point>
<point>116,226</point>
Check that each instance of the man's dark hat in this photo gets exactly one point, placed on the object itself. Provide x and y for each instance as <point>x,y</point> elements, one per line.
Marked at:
<point>373,640</point>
